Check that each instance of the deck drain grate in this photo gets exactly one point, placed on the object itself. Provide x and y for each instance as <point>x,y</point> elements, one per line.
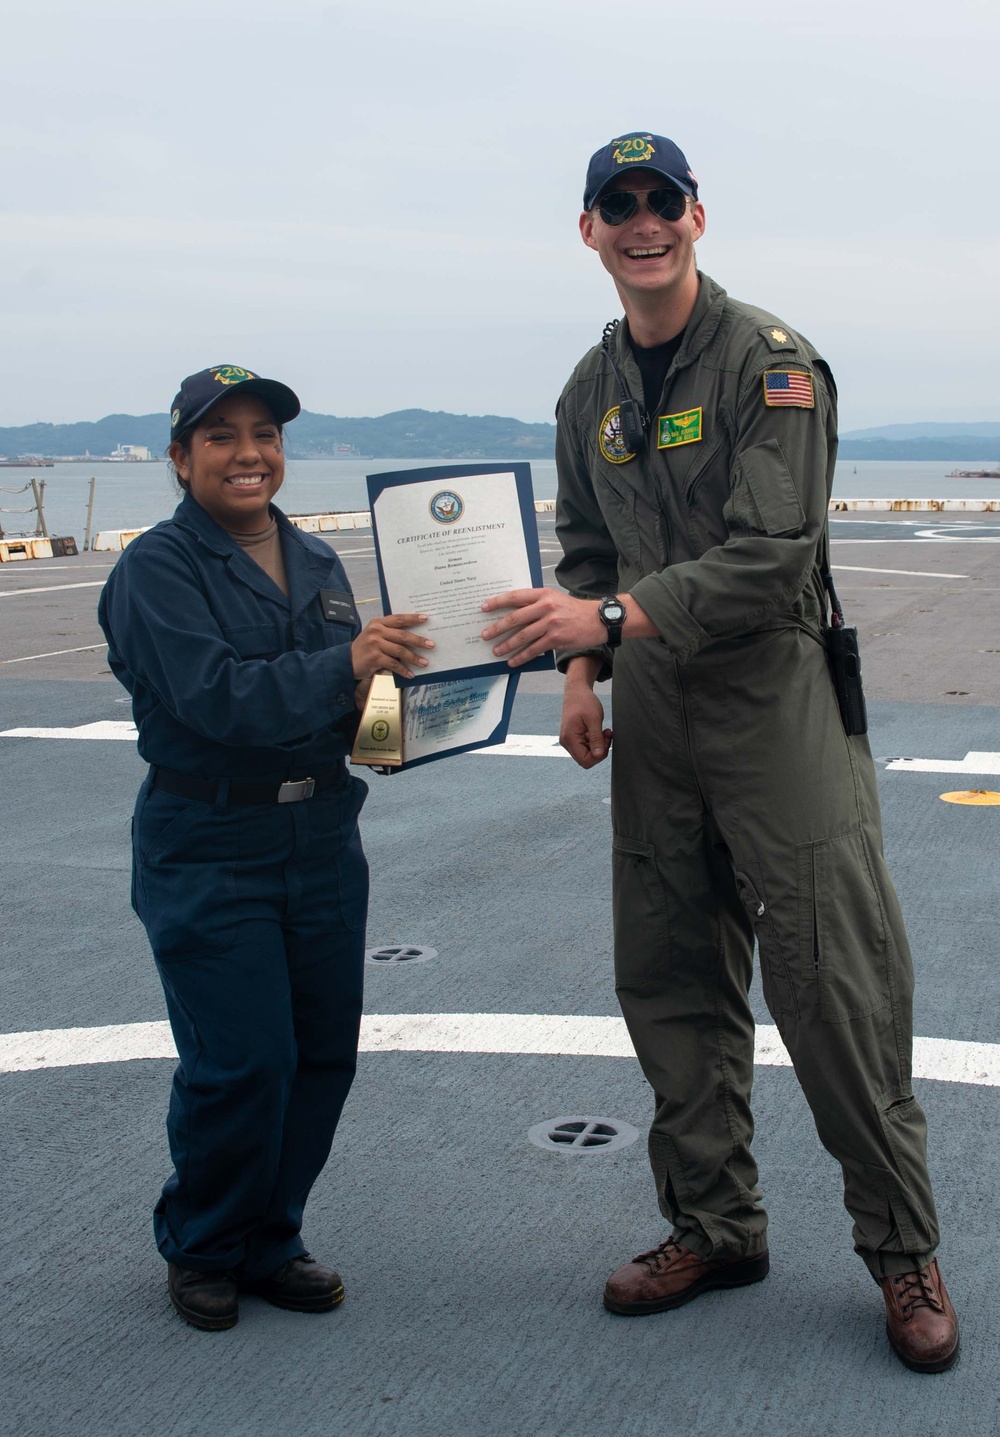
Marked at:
<point>582,1135</point>
<point>397,953</point>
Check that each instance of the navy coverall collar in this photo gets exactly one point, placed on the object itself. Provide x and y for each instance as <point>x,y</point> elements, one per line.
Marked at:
<point>305,577</point>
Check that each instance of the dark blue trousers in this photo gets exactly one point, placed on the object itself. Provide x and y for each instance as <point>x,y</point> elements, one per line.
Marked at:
<point>256,917</point>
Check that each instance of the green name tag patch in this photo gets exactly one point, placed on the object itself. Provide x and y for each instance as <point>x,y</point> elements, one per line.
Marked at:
<point>675,429</point>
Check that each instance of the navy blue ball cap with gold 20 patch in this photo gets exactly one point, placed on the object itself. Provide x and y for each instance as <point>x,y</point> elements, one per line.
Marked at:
<point>637,151</point>
<point>199,392</point>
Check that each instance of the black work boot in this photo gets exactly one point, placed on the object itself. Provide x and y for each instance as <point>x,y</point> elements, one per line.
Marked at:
<point>205,1299</point>
<point>302,1285</point>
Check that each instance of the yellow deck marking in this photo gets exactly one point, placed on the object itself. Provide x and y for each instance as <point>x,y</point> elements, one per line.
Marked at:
<point>984,797</point>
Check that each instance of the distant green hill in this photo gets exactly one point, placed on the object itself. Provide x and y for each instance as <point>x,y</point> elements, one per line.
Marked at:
<point>405,434</point>
<point>956,446</point>
<point>926,430</point>
<point>101,437</point>
<point>426,434</point>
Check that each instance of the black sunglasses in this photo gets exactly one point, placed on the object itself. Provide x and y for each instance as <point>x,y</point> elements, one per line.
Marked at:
<point>617,206</point>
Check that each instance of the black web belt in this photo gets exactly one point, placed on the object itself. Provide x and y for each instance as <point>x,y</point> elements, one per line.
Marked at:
<point>293,790</point>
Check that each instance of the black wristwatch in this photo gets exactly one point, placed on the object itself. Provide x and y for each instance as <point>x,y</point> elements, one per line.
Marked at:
<point>611,612</point>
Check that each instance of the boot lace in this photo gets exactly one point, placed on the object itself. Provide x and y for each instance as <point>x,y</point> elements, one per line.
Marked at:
<point>914,1290</point>
<point>660,1257</point>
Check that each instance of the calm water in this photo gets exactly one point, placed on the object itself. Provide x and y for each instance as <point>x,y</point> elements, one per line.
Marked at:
<point>132,495</point>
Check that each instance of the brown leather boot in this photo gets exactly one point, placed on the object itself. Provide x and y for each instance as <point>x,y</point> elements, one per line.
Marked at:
<point>920,1321</point>
<point>671,1275</point>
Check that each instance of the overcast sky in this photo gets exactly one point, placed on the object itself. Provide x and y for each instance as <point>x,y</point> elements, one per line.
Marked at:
<point>377,202</point>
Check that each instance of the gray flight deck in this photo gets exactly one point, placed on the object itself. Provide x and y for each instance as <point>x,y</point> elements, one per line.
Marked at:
<point>474,1261</point>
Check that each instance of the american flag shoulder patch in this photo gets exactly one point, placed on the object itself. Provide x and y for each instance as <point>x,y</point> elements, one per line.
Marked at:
<point>789,387</point>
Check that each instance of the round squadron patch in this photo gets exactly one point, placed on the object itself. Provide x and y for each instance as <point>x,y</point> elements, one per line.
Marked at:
<point>612,440</point>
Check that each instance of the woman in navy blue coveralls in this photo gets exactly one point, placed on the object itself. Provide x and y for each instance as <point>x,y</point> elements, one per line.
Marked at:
<point>248,871</point>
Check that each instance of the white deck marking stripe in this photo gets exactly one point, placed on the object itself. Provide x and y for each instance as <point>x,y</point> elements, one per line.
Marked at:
<point>53,654</point>
<point>974,762</point>
<point>943,1060</point>
<point>53,588</point>
<point>913,573</point>
<point>524,745</point>
<point>518,745</point>
<point>105,728</point>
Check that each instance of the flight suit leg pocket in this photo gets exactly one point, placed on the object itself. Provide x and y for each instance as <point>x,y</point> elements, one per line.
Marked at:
<point>844,945</point>
<point>642,936</point>
<point>779,991</point>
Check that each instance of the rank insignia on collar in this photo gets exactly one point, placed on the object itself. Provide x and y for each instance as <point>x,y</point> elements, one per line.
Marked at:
<point>675,429</point>
<point>777,338</point>
<point>612,440</point>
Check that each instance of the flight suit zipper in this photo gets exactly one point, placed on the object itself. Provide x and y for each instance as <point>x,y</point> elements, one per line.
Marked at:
<point>687,738</point>
<point>815,916</point>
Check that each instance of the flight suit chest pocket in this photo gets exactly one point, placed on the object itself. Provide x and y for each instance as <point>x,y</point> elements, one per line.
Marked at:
<point>617,501</point>
<point>255,641</point>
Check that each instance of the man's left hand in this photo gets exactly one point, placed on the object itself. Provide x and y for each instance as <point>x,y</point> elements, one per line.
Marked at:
<point>542,619</point>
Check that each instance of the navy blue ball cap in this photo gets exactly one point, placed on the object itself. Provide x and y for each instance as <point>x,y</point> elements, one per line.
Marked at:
<point>200,391</point>
<point>637,150</point>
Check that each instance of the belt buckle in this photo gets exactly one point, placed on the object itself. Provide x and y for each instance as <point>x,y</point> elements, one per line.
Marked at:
<point>295,790</point>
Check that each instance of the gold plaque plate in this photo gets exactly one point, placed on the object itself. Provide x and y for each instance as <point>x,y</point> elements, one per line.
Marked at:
<point>380,732</point>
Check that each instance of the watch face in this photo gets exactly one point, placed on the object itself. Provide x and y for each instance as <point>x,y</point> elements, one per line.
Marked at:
<point>612,613</point>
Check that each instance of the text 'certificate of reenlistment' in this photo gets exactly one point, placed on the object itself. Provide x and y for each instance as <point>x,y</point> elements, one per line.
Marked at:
<point>446,539</point>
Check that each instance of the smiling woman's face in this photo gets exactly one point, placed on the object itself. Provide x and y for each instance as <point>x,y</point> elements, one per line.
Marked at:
<point>233,464</point>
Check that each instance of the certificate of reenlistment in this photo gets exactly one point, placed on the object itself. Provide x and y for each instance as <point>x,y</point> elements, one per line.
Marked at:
<point>446,539</point>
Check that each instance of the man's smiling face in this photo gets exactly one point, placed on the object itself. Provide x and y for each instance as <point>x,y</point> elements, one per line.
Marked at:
<point>646,255</point>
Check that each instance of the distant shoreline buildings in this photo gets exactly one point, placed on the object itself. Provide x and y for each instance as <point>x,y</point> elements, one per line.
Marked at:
<point>122,454</point>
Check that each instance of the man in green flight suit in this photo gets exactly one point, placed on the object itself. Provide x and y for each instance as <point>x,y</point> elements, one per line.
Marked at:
<point>695,455</point>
